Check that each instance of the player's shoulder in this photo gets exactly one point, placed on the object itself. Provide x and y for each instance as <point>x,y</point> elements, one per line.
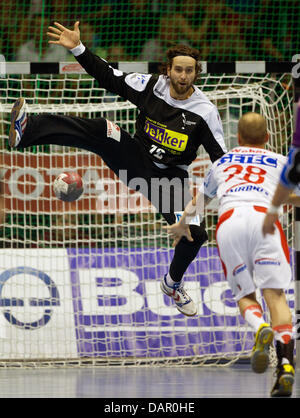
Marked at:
<point>139,81</point>
<point>161,86</point>
<point>206,109</point>
<point>203,105</point>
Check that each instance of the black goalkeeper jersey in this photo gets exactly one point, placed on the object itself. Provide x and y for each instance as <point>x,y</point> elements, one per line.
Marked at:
<point>170,131</point>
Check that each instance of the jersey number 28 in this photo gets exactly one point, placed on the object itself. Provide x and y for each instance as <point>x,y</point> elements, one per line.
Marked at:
<point>250,174</point>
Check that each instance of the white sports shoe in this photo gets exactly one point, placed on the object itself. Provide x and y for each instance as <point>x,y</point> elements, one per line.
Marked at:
<point>18,119</point>
<point>182,300</point>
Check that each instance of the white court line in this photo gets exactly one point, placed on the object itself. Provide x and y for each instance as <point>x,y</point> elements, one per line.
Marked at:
<point>163,329</point>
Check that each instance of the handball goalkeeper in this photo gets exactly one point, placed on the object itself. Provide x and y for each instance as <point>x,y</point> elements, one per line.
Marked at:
<point>175,118</point>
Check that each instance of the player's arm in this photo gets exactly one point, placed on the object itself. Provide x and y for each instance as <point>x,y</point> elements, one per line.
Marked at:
<point>181,228</point>
<point>289,181</point>
<point>281,196</point>
<point>128,86</point>
<point>196,206</point>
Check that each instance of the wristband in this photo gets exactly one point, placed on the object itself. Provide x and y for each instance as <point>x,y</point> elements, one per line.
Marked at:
<point>78,50</point>
<point>273,210</point>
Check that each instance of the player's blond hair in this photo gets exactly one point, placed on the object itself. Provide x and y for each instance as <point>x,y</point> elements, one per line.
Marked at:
<point>252,128</point>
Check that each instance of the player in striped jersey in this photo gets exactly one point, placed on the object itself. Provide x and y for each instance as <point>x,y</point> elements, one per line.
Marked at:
<point>175,118</point>
<point>244,180</point>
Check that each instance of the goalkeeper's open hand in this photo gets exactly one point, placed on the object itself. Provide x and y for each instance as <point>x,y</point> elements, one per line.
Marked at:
<point>63,36</point>
<point>177,231</point>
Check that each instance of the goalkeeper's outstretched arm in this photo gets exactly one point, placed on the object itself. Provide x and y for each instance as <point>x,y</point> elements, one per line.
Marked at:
<point>132,89</point>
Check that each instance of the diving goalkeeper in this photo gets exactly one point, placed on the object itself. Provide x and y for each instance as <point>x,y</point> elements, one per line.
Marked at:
<point>175,118</point>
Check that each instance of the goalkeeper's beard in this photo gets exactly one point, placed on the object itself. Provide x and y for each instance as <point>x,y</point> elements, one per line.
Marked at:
<point>180,89</point>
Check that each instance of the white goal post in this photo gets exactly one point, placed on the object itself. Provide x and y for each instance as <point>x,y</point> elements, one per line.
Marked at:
<point>80,282</point>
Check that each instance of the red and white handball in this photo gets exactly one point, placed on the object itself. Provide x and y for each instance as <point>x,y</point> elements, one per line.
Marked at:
<point>68,186</point>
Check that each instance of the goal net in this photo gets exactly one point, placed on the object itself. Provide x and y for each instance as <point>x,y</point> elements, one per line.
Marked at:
<point>80,282</point>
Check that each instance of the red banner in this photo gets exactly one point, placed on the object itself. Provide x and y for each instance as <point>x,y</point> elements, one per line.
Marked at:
<point>28,180</point>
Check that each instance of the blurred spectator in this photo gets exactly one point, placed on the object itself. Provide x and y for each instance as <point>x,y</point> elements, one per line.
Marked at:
<point>90,39</point>
<point>61,11</point>
<point>37,47</point>
<point>291,39</point>
<point>36,7</point>
<point>193,20</point>
<point>228,40</point>
<point>220,29</point>
<point>88,36</point>
<point>135,25</point>
<point>270,29</point>
<point>243,6</point>
<point>285,36</point>
<point>155,49</point>
<point>213,28</point>
<point>105,17</point>
<point>116,53</point>
<point>10,17</point>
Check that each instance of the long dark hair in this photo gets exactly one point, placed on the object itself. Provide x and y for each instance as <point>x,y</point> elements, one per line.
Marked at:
<point>182,50</point>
